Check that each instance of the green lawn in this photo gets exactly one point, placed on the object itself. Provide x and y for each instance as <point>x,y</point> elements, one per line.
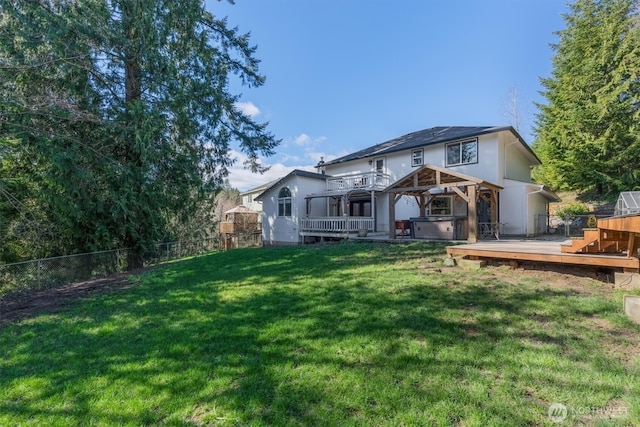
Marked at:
<point>348,334</point>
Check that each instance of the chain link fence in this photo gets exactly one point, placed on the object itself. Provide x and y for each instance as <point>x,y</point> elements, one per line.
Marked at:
<point>27,276</point>
<point>567,226</point>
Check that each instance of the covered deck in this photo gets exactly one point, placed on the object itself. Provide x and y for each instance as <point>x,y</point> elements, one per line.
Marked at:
<point>342,218</point>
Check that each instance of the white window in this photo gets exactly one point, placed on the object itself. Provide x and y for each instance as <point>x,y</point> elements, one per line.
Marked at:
<point>440,206</point>
<point>417,157</point>
<point>284,202</point>
<point>462,153</point>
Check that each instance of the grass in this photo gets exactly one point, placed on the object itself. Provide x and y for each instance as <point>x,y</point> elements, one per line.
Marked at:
<point>352,334</point>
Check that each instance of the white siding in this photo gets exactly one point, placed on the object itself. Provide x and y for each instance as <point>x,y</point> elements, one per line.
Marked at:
<point>516,165</point>
<point>513,208</point>
<point>278,230</point>
<point>486,167</point>
<point>354,166</point>
<point>520,202</point>
<point>537,206</point>
<point>248,201</point>
<point>382,212</point>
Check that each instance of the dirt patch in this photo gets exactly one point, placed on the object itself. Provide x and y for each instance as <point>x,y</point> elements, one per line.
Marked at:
<point>29,305</point>
<point>581,279</point>
<point>620,343</point>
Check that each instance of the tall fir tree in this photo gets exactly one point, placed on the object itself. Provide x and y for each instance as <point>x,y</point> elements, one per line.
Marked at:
<point>123,113</point>
<point>588,131</point>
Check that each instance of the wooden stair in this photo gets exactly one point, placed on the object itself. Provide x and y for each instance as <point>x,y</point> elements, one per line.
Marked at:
<point>613,235</point>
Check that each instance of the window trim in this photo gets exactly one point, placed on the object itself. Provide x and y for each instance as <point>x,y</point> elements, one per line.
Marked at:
<point>460,144</point>
<point>284,202</point>
<point>419,151</point>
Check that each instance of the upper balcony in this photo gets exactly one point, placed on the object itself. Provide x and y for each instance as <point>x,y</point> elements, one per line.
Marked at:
<point>359,181</point>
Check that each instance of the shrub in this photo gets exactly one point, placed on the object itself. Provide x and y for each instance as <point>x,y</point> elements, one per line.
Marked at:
<point>574,209</point>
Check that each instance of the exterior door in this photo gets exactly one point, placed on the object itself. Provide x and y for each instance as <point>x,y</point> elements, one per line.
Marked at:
<point>484,211</point>
<point>379,169</point>
<point>360,208</point>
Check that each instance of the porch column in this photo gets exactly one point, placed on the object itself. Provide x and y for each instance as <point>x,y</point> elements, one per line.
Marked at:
<point>373,211</point>
<point>473,214</point>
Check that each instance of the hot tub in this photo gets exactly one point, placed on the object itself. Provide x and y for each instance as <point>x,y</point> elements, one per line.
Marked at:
<point>439,227</point>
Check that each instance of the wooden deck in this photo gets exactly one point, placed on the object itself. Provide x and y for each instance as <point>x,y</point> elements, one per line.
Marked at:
<point>541,251</point>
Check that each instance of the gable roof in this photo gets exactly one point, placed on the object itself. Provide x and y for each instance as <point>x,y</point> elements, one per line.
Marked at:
<point>431,136</point>
<point>260,188</point>
<point>295,172</point>
<point>428,177</point>
<point>241,209</point>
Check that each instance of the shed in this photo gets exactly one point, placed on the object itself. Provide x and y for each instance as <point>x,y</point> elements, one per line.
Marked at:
<point>628,203</point>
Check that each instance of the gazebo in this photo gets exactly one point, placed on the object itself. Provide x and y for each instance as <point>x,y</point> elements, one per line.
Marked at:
<point>430,181</point>
<point>239,222</point>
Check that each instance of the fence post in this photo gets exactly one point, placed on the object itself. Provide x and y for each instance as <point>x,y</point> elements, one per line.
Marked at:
<point>38,278</point>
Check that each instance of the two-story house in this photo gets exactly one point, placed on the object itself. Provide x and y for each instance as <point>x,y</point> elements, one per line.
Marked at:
<point>437,183</point>
<point>249,197</point>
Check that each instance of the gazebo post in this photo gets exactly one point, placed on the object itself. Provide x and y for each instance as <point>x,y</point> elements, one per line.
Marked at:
<point>392,215</point>
<point>473,214</point>
<point>494,206</point>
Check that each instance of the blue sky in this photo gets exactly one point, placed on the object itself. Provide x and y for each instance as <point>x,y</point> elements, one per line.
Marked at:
<point>343,75</point>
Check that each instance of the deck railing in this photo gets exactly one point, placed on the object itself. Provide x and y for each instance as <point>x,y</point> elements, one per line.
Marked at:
<point>360,181</point>
<point>337,224</point>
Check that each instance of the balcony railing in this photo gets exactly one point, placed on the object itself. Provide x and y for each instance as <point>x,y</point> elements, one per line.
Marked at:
<point>337,224</point>
<point>361,181</point>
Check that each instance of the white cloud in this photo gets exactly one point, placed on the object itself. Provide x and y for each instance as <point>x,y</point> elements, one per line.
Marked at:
<point>248,108</point>
<point>287,158</point>
<point>304,139</point>
<point>243,179</point>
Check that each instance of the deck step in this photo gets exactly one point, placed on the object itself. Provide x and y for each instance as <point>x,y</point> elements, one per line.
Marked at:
<point>580,244</point>
<point>596,240</point>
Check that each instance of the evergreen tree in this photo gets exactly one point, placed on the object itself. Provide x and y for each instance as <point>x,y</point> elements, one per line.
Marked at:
<point>588,134</point>
<point>123,113</point>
